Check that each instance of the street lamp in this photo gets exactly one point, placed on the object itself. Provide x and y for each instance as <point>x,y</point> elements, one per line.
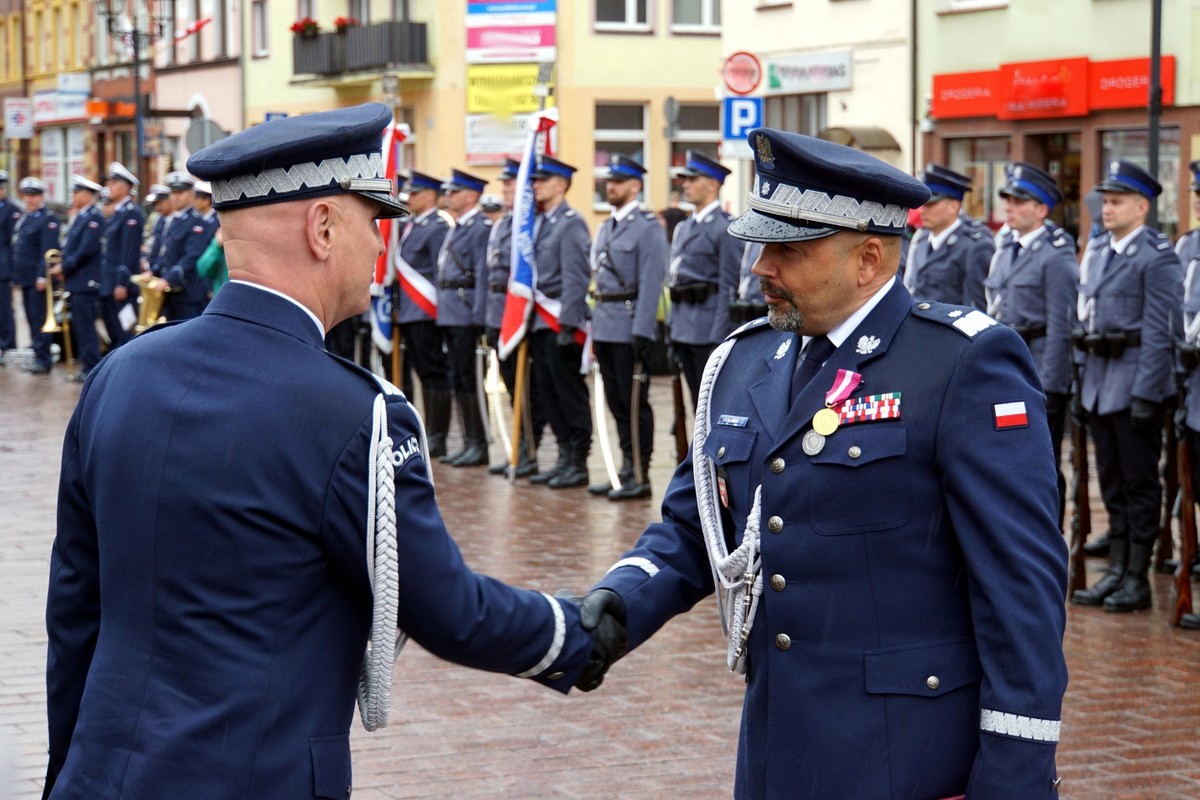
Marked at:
<point>137,31</point>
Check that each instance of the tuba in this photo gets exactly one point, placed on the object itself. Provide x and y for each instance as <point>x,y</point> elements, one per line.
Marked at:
<point>150,302</point>
<point>58,304</point>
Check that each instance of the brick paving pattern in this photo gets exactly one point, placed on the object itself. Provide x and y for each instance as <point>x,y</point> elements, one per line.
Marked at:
<point>665,722</point>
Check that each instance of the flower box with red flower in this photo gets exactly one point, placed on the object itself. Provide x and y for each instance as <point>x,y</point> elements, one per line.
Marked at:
<point>306,27</point>
<point>343,24</point>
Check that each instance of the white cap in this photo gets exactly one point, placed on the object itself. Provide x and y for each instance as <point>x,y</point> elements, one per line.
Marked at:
<point>118,170</point>
<point>203,187</point>
<point>32,186</point>
<point>80,182</point>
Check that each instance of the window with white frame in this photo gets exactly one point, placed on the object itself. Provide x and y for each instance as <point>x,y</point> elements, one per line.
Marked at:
<point>698,127</point>
<point>620,129</point>
<point>696,16</point>
<point>361,11</point>
<point>306,8</point>
<point>401,10</point>
<point>259,19</point>
<point>622,15</point>
<point>799,113</point>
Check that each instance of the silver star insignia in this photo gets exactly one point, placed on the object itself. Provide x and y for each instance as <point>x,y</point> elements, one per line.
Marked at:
<point>954,314</point>
<point>766,187</point>
<point>784,346</point>
<point>866,345</point>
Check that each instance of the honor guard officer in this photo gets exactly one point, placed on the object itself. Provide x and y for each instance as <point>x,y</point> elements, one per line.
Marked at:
<point>215,651</point>
<point>416,297</point>
<point>462,308</point>
<point>36,232</point>
<point>499,266</point>
<point>749,302</point>
<point>121,250</point>
<point>81,270</point>
<point>1031,288</point>
<point>703,272</point>
<point>1129,303</point>
<point>948,259</point>
<point>10,212</point>
<point>1188,246</point>
<point>185,237</point>
<point>629,257</point>
<point>561,247</point>
<point>897,639</point>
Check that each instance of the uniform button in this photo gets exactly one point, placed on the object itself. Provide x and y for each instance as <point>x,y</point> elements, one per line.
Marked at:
<point>923,306</point>
<point>774,524</point>
<point>778,582</point>
<point>721,452</point>
<point>777,465</point>
<point>554,676</point>
<point>933,682</point>
<point>783,641</point>
<point>854,452</point>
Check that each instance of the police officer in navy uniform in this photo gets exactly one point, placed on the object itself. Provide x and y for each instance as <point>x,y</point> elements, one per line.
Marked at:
<point>462,308</point>
<point>185,238</point>
<point>416,298</point>
<point>1130,314</point>
<point>899,637</point>
<point>36,232</point>
<point>948,258</point>
<point>215,650</point>
<point>81,270</point>
<point>10,212</point>
<point>159,200</point>
<point>561,248</point>
<point>1188,246</point>
<point>748,304</point>
<point>121,250</point>
<point>629,258</point>
<point>703,271</point>
<point>1031,287</point>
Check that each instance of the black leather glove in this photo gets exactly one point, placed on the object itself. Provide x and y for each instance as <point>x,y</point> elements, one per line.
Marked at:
<point>602,613</point>
<point>641,348</point>
<point>1078,415</point>
<point>1056,404</point>
<point>1145,415</point>
<point>477,333</point>
<point>493,338</point>
<point>565,337</point>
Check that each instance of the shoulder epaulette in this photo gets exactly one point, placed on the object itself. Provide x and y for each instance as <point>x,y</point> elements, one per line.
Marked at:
<point>570,212</point>
<point>967,321</point>
<point>749,327</point>
<point>649,215</point>
<point>974,232</point>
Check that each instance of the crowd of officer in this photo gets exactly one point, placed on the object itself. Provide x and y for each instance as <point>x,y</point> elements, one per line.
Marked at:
<point>97,261</point>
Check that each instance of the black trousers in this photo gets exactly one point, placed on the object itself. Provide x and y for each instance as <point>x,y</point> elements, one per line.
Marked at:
<point>35,314</point>
<point>461,343</point>
<point>1127,466</point>
<point>563,390</point>
<point>83,329</point>
<point>692,358</point>
<point>108,310</point>
<point>8,328</point>
<point>424,354</point>
<point>615,360</point>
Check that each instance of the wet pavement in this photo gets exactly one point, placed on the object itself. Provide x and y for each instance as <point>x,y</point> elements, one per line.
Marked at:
<point>665,722</point>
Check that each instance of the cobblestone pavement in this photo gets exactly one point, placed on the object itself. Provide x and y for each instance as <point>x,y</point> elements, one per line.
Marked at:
<point>665,722</point>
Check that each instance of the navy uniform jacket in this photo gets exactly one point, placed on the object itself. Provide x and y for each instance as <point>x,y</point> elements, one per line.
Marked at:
<point>955,272</point>
<point>420,249</point>
<point>209,601</point>
<point>704,253</point>
<point>499,265</point>
<point>155,242</point>
<point>628,257</point>
<point>1037,291</point>
<point>185,240</point>
<point>906,550</point>
<point>122,246</point>
<point>81,251</point>
<point>560,250</point>
<point>462,272</point>
<point>1137,291</point>
<point>36,232</point>
<point>1188,247</point>
<point>10,212</point>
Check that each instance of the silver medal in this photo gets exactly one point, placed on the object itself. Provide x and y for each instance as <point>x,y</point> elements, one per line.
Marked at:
<point>812,443</point>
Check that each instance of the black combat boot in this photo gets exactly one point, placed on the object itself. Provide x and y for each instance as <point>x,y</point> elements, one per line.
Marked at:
<point>475,452</point>
<point>630,489</point>
<point>544,476</point>
<point>574,473</point>
<point>624,476</point>
<point>1111,579</point>
<point>450,458</point>
<point>437,421</point>
<point>1134,592</point>
<point>1098,548</point>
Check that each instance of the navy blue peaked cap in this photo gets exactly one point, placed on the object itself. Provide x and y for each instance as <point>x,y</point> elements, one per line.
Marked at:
<point>463,180</point>
<point>622,168</point>
<point>512,168</point>
<point>1125,177</point>
<point>1195,168</point>
<point>945,183</point>
<point>806,188</point>
<point>700,164</point>
<point>1027,182</point>
<point>547,167</point>
<point>418,181</point>
<point>294,158</point>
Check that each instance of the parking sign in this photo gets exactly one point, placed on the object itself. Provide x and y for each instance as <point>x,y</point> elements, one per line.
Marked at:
<point>739,116</point>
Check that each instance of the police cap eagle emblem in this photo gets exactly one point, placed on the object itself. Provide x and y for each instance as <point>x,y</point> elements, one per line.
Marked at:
<point>763,145</point>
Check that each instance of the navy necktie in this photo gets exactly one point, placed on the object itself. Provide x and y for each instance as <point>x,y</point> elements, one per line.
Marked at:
<point>1016,250</point>
<point>817,353</point>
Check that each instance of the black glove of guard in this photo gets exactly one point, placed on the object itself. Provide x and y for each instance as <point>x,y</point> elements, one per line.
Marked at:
<point>1145,415</point>
<point>602,613</point>
<point>565,337</point>
<point>641,348</point>
<point>1056,404</point>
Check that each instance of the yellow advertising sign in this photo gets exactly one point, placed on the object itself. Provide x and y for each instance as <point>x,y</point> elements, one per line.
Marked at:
<point>502,89</point>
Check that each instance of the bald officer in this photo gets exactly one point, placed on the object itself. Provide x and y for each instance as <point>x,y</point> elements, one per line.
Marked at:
<point>948,258</point>
<point>208,620</point>
<point>897,638</point>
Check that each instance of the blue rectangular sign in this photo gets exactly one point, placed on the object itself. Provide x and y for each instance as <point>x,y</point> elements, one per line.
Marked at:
<point>740,115</point>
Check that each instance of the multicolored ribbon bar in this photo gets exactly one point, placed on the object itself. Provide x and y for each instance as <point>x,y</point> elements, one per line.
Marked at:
<point>869,408</point>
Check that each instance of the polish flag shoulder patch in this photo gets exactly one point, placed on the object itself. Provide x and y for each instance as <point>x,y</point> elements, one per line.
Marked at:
<point>1010,415</point>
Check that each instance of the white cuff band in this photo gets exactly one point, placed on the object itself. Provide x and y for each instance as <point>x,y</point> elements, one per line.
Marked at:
<point>556,646</point>
<point>644,564</point>
<point>1032,728</point>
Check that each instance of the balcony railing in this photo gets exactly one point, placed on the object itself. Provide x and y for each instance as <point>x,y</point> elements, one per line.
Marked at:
<point>381,46</point>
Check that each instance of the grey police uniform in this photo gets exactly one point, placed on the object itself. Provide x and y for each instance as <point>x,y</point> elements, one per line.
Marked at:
<point>499,266</point>
<point>1188,246</point>
<point>955,271</point>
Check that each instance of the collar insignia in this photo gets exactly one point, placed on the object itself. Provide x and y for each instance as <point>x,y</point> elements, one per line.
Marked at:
<point>766,187</point>
<point>866,345</point>
<point>784,346</point>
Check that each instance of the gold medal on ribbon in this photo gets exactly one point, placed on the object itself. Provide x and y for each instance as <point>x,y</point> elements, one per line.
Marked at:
<point>825,421</point>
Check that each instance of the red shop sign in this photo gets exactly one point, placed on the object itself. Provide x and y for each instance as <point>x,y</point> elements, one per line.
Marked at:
<point>1126,83</point>
<point>1038,89</point>
<point>964,94</point>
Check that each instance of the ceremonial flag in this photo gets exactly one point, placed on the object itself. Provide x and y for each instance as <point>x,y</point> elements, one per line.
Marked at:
<point>381,298</point>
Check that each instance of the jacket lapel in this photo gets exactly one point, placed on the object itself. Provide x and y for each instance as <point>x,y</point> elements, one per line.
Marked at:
<point>770,395</point>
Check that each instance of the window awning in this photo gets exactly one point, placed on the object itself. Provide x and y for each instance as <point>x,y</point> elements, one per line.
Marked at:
<point>862,138</point>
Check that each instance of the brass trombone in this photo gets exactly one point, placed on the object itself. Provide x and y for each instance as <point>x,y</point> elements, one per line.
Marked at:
<point>150,302</point>
<point>58,304</point>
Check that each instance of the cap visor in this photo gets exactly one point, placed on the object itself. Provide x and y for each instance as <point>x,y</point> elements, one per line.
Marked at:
<point>1018,194</point>
<point>617,177</point>
<point>389,207</point>
<point>934,196</point>
<point>1114,186</point>
<point>754,226</point>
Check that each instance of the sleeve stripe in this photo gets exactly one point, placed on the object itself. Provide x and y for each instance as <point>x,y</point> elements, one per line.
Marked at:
<point>644,564</point>
<point>556,646</point>
<point>1032,728</point>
